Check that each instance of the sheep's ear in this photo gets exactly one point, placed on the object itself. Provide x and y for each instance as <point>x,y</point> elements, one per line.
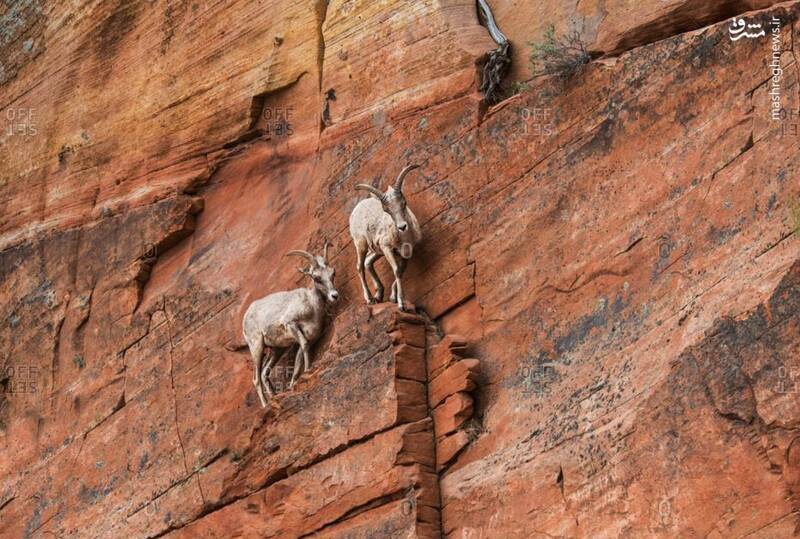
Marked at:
<point>304,271</point>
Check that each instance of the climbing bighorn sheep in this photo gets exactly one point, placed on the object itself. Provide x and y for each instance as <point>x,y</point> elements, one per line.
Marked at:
<point>383,225</point>
<point>274,324</point>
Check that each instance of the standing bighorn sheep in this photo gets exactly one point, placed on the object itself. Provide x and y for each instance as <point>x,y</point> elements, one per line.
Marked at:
<point>274,324</point>
<point>384,225</point>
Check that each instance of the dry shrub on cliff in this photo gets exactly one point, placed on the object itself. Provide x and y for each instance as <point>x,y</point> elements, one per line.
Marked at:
<point>563,56</point>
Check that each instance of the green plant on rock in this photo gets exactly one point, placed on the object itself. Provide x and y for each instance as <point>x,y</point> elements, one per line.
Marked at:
<point>517,87</point>
<point>562,56</point>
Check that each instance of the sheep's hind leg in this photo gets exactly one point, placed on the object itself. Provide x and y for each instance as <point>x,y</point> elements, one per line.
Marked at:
<point>361,253</point>
<point>398,286</point>
<point>297,333</point>
<point>370,264</point>
<point>257,353</point>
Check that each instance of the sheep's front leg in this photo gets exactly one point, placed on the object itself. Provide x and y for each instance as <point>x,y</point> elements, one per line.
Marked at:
<point>257,353</point>
<point>402,263</point>
<point>370,263</point>
<point>297,333</point>
<point>398,286</point>
<point>361,254</point>
<point>298,357</point>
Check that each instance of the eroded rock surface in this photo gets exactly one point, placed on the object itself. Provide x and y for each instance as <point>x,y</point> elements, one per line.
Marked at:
<point>615,250</point>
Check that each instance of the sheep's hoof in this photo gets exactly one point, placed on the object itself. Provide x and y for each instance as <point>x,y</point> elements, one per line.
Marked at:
<point>372,301</point>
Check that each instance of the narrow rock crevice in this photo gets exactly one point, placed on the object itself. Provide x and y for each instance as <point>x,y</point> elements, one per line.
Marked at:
<point>175,399</point>
<point>275,477</point>
<point>7,502</point>
<point>54,362</point>
<point>363,508</point>
<point>785,236</point>
<point>747,147</point>
<point>321,8</point>
<point>179,482</point>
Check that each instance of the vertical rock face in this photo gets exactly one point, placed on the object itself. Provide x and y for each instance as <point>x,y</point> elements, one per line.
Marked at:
<point>607,340</point>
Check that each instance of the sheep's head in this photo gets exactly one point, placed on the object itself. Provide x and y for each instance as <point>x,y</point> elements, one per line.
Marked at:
<point>394,203</point>
<point>320,272</point>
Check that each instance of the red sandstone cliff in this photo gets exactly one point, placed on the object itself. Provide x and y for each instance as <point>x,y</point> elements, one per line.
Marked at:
<point>608,338</point>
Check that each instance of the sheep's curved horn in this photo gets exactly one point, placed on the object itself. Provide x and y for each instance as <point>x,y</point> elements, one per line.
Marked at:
<point>325,251</point>
<point>398,183</point>
<point>375,191</point>
<point>304,254</point>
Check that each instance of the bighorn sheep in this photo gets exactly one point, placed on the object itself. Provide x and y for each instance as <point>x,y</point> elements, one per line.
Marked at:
<point>274,324</point>
<point>384,225</point>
